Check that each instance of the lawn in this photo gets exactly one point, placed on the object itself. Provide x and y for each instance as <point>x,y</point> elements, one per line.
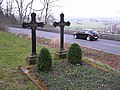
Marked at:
<point>13,53</point>
<point>64,76</point>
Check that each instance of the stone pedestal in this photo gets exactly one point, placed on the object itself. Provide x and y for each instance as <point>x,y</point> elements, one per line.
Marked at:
<point>61,54</point>
<point>31,60</point>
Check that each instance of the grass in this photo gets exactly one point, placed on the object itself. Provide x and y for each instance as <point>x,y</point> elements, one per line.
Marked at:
<point>64,76</point>
<point>13,53</point>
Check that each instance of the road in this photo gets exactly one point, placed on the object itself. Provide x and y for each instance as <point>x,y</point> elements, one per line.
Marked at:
<point>101,44</point>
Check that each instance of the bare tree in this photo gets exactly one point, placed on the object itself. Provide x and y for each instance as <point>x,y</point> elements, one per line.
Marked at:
<point>0,5</point>
<point>1,12</point>
<point>45,12</point>
<point>115,27</point>
<point>48,5</point>
<point>3,25</point>
<point>31,7</point>
<point>25,10</point>
<point>21,10</point>
<point>40,10</point>
<point>9,7</point>
<point>1,2</point>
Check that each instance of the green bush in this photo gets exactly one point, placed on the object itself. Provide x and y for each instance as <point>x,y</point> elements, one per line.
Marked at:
<point>44,60</point>
<point>75,54</point>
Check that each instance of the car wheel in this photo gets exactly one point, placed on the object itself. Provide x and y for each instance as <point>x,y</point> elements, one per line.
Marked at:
<point>75,36</point>
<point>96,39</point>
<point>88,38</point>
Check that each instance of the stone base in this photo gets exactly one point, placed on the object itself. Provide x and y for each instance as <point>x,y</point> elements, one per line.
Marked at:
<point>61,54</point>
<point>31,60</point>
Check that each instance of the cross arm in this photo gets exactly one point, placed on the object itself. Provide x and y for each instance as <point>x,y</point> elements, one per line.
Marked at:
<point>67,23</point>
<point>61,24</point>
<point>40,24</point>
<point>24,24</point>
<point>56,24</point>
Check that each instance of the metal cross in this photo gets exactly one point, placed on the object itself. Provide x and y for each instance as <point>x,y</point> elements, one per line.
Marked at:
<point>61,24</point>
<point>33,25</point>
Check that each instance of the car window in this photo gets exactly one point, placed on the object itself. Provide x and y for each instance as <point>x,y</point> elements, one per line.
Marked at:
<point>86,31</point>
<point>94,32</point>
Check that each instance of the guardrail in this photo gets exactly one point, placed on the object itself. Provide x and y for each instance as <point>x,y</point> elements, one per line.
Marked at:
<point>110,36</point>
<point>115,37</point>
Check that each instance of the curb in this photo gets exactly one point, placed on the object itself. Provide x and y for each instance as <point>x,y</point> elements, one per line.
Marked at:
<point>33,78</point>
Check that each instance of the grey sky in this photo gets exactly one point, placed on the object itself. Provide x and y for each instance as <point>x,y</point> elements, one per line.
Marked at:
<point>84,8</point>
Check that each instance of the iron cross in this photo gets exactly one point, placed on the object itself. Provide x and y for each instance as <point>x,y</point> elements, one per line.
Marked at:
<point>61,24</point>
<point>33,25</point>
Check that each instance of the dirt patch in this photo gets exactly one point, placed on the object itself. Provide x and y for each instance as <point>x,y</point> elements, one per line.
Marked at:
<point>103,57</point>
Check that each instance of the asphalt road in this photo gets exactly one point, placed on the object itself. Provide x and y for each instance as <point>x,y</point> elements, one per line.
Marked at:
<point>101,44</point>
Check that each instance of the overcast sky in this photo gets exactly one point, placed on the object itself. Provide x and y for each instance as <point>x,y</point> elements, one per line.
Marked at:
<point>90,8</point>
<point>84,8</point>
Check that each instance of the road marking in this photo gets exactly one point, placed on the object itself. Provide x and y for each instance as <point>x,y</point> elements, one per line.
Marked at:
<point>111,45</point>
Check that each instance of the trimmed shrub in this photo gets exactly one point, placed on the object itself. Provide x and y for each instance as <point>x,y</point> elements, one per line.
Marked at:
<point>44,60</point>
<point>75,54</point>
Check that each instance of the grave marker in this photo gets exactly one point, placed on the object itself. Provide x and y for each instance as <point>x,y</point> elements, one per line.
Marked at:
<point>61,24</point>
<point>33,25</point>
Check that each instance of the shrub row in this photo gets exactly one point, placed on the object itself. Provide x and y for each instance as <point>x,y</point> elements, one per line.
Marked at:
<point>44,59</point>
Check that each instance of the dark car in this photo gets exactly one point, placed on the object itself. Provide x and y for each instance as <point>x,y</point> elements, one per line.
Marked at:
<point>88,34</point>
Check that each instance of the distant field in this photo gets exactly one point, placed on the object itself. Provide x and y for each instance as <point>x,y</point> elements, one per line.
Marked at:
<point>84,25</point>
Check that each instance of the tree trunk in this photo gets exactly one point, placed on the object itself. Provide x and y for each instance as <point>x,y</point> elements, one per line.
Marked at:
<point>46,15</point>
